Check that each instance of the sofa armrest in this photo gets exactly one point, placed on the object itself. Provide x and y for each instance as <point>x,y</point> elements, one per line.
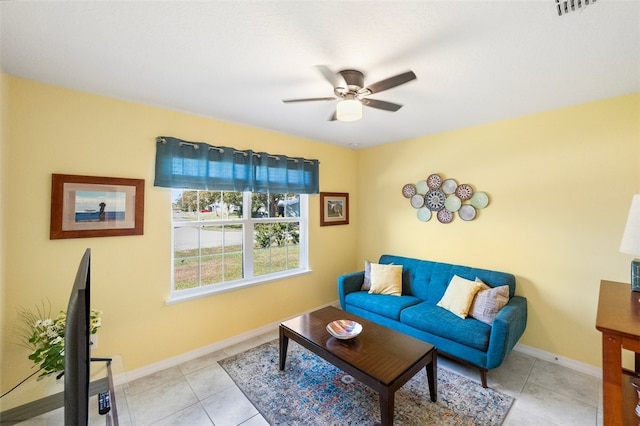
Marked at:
<point>348,283</point>
<point>507,328</point>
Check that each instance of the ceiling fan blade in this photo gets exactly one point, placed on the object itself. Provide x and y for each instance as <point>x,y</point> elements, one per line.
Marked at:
<point>308,100</point>
<point>376,103</point>
<point>329,75</point>
<point>392,82</point>
<point>352,78</point>
<point>334,117</point>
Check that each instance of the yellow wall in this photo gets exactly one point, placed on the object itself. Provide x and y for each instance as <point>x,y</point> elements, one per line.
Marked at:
<point>560,185</point>
<point>55,130</point>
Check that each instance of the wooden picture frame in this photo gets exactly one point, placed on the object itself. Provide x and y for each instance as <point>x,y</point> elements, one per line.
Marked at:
<point>334,208</point>
<point>92,206</point>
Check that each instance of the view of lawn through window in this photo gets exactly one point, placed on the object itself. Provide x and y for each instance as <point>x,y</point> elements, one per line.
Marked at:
<point>221,237</point>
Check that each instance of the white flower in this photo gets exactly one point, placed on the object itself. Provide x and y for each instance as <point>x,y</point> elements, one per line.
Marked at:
<point>45,337</point>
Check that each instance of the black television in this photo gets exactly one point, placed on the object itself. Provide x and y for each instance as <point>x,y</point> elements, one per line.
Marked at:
<point>76,347</point>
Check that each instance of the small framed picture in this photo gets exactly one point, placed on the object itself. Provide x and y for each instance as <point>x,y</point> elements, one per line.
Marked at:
<point>334,208</point>
<point>91,206</point>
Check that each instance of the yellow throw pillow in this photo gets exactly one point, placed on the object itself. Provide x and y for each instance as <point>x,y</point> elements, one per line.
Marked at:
<point>459,295</point>
<point>386,279</point>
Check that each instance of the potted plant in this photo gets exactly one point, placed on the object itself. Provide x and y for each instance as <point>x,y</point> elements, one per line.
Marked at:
<point>44,336</point>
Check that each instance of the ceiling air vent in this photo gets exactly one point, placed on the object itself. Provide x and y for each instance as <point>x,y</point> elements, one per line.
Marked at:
<point>565,6</point>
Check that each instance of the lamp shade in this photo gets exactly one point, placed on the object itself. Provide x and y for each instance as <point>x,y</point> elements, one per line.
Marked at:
<point>631,237</point>
<point>349,110</point>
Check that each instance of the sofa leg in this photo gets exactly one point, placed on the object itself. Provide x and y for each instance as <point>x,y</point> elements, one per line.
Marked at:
<point>483,377</point>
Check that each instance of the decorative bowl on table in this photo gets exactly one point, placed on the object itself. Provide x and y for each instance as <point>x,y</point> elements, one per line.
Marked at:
<point>344,329</point>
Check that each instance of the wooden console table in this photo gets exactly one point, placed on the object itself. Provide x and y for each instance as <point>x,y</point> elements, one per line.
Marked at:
<point>619,321</point>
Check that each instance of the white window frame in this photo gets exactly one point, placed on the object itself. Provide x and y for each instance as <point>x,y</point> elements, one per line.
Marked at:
<point>248,240</point>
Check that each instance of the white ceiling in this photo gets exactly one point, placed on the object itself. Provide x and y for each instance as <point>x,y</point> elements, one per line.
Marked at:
<point>476,61</point>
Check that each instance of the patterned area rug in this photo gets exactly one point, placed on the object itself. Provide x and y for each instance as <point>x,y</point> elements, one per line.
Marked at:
<point>310,391</point>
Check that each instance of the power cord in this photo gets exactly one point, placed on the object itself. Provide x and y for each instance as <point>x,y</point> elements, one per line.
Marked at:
<point>27,378</point>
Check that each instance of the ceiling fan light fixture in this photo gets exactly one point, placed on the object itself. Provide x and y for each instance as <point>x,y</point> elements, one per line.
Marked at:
<point>349,110</point>
<point>352,95</point>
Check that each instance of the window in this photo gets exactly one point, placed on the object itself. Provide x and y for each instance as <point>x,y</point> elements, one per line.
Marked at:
<point>239,217</point>
<point>224,240</point>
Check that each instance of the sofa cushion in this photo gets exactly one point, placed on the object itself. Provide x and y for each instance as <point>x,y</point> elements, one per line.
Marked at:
<point>438,321</point>
<point>488,302</point>
<point>382,304</point>
<point>459,295</point>
<point>386,279</point>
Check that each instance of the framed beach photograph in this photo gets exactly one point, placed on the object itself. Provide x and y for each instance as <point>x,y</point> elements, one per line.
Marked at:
<point>91,206</point>
<point>334,208</point>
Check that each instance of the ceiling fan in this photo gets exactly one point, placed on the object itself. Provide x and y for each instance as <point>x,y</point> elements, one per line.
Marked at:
<point>348,87</point>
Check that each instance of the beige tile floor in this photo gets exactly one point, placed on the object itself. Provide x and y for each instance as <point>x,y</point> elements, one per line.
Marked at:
<point>199,392</point>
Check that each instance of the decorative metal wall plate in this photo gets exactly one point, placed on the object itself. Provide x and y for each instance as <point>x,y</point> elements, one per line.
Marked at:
<point>424,214</point>
<point>443,198</point>
<point>422,187</point>
<point>445,216</point>
<point>434,181</point>
<point>409,190</point>
<point>479,200</point>
<point>434,200</point>
<point>464,192</point>
<point>417,201</point>
<point>449,186</point>
<point>452,203</point>
<point>467,212</point>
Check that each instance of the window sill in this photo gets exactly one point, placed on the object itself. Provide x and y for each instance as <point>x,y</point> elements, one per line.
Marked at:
<point>197,293</point>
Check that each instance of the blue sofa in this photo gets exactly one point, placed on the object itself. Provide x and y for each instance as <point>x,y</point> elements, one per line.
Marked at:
<point>415,312</point>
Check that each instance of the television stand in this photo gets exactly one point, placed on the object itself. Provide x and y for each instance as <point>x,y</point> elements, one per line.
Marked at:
<point>44,398</point>
<point>108,360</point>
<point>113,412</point>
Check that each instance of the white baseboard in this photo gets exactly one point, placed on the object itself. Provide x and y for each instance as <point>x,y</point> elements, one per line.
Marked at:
<point>217,346</point>
<point>222,344</point>
<point>557,359</point>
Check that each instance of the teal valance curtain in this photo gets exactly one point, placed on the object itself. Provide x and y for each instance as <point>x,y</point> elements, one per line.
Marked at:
<point>197,165</point>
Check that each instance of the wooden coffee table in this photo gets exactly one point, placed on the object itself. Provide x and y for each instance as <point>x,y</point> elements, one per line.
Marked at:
<point>379,357</point>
